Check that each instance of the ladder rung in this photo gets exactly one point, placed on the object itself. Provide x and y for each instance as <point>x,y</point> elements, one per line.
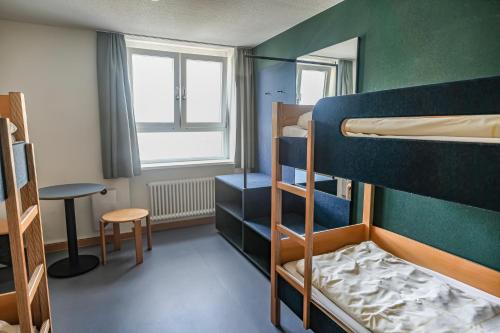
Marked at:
<point>35,281</point>
<point>290,233</point>
<point>45,326</point>
<point>300,191</point>
<point>290,279</point>
<point>28,217</point>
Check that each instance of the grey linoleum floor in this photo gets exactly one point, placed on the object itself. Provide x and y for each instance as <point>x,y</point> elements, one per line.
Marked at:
<point>192,281</point>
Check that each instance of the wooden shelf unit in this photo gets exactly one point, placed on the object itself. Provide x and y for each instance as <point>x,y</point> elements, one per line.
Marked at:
<point>29,304</point>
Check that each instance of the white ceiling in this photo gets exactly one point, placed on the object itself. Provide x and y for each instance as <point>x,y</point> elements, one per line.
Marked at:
<point>228,22</point>
<point>344,50</point>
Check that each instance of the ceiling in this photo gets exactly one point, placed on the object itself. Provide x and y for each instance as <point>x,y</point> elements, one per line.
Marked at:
<point>228,22</point>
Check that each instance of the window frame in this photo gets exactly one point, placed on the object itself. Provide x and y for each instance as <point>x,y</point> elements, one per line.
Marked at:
<point>316,68</point>
<point>180,123</point>
<point>184,57</point>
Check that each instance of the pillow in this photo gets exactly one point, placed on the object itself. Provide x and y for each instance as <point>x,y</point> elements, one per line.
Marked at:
<point>304,119</point>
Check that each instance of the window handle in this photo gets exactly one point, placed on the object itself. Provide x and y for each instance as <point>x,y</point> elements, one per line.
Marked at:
<point>184,93</point>
<point>176,93</point>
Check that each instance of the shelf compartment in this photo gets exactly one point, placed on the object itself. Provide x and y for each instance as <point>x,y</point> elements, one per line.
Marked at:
<point>229,226</point>
<point>292,221</point>
<point>257,249</point>
<point>254,180</point>
<point>232,208</point>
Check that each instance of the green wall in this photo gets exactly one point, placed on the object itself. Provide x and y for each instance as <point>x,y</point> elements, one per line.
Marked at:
<point>408,43</point>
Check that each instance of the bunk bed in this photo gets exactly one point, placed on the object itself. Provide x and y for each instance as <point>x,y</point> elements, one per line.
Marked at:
<point>27,307</point>
<point>424,165</point>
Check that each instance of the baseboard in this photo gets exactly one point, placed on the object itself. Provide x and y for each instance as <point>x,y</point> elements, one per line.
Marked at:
<point>93,241</point>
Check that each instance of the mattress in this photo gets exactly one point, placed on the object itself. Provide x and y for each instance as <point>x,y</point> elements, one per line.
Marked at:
<point>475,128</point>
<point>299,130</point>
<point>370,290</point>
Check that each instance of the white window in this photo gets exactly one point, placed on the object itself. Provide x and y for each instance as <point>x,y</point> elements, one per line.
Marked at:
<point>180,105</point>
<point>312,83</point>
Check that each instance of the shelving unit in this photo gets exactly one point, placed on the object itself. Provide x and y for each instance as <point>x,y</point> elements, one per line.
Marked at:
<point>243,215</point>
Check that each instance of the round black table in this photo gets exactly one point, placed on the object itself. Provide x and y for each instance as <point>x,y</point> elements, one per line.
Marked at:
<point>75,264</point>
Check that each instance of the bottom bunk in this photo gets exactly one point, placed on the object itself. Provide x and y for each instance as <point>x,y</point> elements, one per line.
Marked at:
<point>369,290</point>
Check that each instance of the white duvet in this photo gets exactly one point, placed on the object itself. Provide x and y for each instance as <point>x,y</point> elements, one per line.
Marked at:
<point>387,294</point>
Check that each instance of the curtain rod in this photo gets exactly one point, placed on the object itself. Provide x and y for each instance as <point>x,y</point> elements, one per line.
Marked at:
<point>169,39</point>
<point>292,60</point>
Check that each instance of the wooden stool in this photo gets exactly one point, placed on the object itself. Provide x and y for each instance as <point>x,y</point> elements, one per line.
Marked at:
<point>133,215</point>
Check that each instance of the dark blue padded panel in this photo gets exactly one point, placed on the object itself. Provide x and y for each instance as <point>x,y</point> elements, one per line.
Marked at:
<point>274,83</point>
<point>330,210</point>
<point>293,152</point>
<point>466,173</point>
<point>21,166</point>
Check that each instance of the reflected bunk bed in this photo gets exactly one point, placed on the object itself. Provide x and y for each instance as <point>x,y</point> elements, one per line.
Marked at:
<point>28,305</point>
<point>308,272</point>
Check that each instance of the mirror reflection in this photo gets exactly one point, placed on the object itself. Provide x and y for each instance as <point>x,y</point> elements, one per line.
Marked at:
<point>331,71</point>
<point>327,72</point>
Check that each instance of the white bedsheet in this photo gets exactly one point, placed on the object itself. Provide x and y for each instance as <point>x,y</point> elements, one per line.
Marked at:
<point>6,328</point>
<point>387,294</point>
<point>294,131</point>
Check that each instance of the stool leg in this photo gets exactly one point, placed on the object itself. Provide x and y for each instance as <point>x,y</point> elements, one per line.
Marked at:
<point>148,227</point>
<point>102,225</point>
<point>117,240</point>
<point>138,242</point>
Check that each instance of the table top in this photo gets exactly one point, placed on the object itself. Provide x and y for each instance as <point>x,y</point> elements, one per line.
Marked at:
<point>70,191</point>
<point>125,215</point>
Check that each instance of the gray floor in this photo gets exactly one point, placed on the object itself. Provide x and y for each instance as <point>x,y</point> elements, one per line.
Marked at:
<point>192,281</point>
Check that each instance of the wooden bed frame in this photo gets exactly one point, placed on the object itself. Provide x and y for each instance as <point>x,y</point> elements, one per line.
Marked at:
<point>29,304</point>
<point>297,247</point>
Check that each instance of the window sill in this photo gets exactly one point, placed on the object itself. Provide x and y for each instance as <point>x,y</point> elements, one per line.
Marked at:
<point>171,165</point>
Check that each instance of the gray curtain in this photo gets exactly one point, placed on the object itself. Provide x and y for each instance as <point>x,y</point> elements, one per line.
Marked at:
<point>344,78</point>
<point>245,115</point>
<point>120,152</point>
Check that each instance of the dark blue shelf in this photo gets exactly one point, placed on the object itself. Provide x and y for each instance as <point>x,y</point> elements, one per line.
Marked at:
<point>293,221</point>
<point>232,208</point>
<point>254,180</point>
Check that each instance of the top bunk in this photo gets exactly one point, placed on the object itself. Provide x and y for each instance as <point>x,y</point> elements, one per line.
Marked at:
<point>13,139</point>
<point>389,139</point>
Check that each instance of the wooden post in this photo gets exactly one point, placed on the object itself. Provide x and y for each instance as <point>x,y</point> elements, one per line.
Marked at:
<point>276,213</point>
<point>138,241</point>
<point>368,202</point>
<point>34,241</point>
<point>16,238</point>
<point>309,226</point>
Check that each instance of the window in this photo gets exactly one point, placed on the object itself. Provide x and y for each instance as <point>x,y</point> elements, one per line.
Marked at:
<point>313,83</point>
<point>180,105</point>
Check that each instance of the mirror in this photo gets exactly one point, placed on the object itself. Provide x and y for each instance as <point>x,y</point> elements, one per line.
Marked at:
<point>331,71</point>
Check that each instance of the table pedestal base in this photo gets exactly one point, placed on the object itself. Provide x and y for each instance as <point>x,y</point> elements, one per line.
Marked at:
<point>64,268</point>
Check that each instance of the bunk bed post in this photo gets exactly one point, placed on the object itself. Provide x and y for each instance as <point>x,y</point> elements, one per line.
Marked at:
<point>24,226</point>
<point>34,240</point>
<point>15,233</point>
<point>18,115</point>
<point>368,202</point>
<point>309,226</point>
<point>276,198</point>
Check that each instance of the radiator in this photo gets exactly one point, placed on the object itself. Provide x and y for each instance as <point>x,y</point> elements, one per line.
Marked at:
<point>177,199</point>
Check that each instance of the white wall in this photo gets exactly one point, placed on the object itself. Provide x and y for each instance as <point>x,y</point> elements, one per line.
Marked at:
<point>56,70</point>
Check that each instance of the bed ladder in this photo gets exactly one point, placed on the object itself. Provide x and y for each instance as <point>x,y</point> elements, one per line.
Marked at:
<point>278,229</point>
<point>24,226</point>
